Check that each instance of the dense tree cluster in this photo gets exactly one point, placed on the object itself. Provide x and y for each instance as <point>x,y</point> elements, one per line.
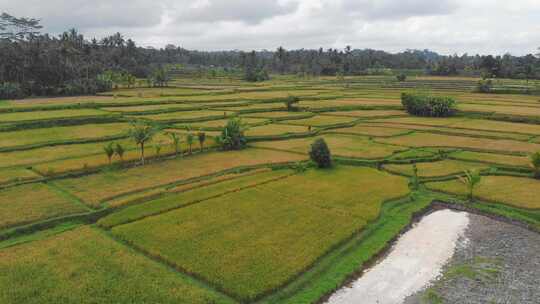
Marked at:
<point>39,64</point>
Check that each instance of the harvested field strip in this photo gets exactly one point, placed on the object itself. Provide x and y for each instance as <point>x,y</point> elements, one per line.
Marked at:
<point>199,193</point>
<point>447,141</point>
<point>340,145</point>
<point>96,188</point>
<point>366,113</point>
<point>367,130</point>
<point>219,124</point>
<point>187,116</point>
<point>493,158</point>
<point>515,191</point>
<point>261,239</point>
<point>280,115</point>
<point>34,202</point>
<point>50,115</point>
<point>435,169</point>
<point>454,131</point>
<point>152,108</point>
<point>424,121</point>
<point>58,135</point>
<point>84,264</point>
<point>350,103</point>
<point>321,121</point>
<point>10,175</point>
<point>510,110</point>
<point>273,130</point>
<point>256,107</point>
<point>500,126</point>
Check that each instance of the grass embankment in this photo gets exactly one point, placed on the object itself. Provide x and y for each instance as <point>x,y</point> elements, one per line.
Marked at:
<point>340,145</point>
<point>275,130</point>
<point>263,236</point>
<point>514,191</point>
<point>189,194</point>
<point>85,266</point>
<point>93,189</point>
<point>50,115</point>
<point>436,169</point>
<point>367,130</point>
<point>34,202</point>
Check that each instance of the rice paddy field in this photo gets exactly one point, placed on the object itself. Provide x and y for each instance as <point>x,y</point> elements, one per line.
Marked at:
<point>195,224</point>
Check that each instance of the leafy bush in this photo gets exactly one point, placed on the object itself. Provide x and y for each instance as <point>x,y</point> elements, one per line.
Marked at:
<point>320,154</point>
<point>291,101</point>
<point>535,164</point>
<point>232,137</point>
<point>484,86</point>
<point>9,90</point>
<point>401,77</point>
<point>428,105</point>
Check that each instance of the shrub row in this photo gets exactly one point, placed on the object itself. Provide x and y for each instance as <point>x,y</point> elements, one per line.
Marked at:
<point>427,105</point>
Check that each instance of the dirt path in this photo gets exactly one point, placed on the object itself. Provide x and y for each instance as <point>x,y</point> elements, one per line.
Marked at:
<point>417,258</point>
<point>497,263</point>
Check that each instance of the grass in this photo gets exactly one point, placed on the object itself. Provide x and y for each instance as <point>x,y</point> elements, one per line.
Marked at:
<point>370,131</point>
<point>9,175</point>
<point>500,159</point>
<point>145,108</point>
<point>510,110</point>
<point>420,139</point>
<point>515,191</point>
<point>94,189</point>
<point>219,124</point>
<point>436,169</point>
<point>44,115</point>
<point>60,134</point>
<point>189,194</point>
<point>349,103</point>
<point>499,126</point>
<point>34,202</point>
<point>187,115</point>
<point>278,115</point>
<point>275,130</point>
<point>253,245</point>
<point>85,266</point>
<point>340,145</point>
<point>321,121</point>
<point>367,114</point>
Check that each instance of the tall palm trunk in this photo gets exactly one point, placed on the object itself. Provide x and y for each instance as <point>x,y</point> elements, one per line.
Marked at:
<point>142,153</point>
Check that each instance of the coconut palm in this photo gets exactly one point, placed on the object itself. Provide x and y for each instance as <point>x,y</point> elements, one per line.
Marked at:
<point>175,139</point>
<point>189,139</point>
<point>470,180</point>
<point>202,138</point>
<point>109,151</point>
<point>535,164</point>
<point>141,133</point>
<point>157,147</point>
<point>119,150</point>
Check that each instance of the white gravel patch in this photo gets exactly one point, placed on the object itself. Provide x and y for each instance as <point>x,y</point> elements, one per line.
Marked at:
<point>417,258</point>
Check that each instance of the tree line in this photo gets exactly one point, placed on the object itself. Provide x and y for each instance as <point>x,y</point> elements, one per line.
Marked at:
<point>32,63</point>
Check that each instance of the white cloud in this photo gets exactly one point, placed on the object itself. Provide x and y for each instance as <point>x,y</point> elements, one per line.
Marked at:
<point>447,26</point>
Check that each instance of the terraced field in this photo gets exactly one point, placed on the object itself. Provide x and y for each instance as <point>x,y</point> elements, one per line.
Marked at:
<point>258,225</point>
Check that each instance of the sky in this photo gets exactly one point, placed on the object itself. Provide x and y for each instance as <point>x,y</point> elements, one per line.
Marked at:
<point>445,26</point>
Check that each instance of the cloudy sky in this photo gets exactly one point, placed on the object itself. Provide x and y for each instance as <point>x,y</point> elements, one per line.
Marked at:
<point>446,26</point>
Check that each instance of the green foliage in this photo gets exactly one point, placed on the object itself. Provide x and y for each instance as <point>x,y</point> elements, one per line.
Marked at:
<point>290,102</point>
<point>470,180</point>
<point>428,105</point>
<point>401,77</point>
<point>320,153</point>
<point>233,135</point>
<point>190,139</point>
<point>119,150</point>
<point>175,139</point>
<point>535,164</point>
<point>9,90</point>
<point>202,138</point>
<point>300,167</point>
<point>160,77</point>
<point>141,133</point>
<point>484,86</point>
<point>109,151</point>
<point>415,180</point>
<point>157,148</point>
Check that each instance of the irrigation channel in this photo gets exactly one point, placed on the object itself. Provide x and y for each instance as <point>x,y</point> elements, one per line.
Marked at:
<point>452,257</point>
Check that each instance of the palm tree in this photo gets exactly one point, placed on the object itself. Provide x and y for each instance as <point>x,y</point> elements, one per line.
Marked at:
<point>202,138</point>
<point>119,150</point>
<point>535,164</point>
<point>470,180</point>
<point>157,147</point>
<point>175,138</point>
<point>141,133</point>
<point>109,151</point>
<point>189,140</point>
